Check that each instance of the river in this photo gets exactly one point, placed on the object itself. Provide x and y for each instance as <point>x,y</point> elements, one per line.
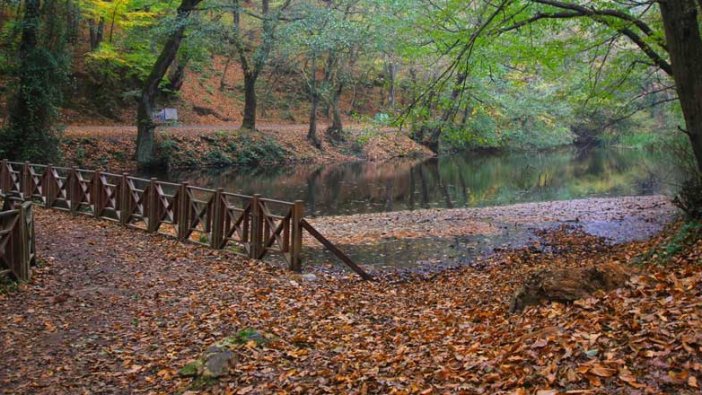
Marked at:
<point>452,181</point>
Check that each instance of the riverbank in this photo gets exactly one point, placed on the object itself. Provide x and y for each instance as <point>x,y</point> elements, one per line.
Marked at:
<point>425,242</point>
<point>618,219</point>
<point>187,147</point>
<point>112,310</point>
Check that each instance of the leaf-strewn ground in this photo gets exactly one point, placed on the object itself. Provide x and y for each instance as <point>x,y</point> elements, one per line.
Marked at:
<point>118,311</point>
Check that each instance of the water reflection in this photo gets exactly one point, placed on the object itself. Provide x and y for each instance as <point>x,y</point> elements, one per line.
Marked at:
<point>464,180</point>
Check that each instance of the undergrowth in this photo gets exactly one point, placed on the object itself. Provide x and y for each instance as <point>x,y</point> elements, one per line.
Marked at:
<point>7,285</point>
<point>223,149</point>
<point>680,241</point>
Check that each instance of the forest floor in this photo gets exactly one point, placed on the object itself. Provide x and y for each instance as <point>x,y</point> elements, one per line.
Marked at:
<point>113,310</point>
<point>198,146</point>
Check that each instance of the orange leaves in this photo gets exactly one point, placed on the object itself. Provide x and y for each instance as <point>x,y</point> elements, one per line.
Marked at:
<point>627,377</point>
<point>135,315</point>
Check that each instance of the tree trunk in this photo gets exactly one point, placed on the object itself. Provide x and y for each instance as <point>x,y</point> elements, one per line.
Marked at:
<point>177,76</point>
<point>684,45</point>
<point>391,70</point>
<point>223,81</point>
<point>96,33</point>
<point>72,21</point>
<point>145,146</point>
<point>249,121</point>
<point>336,130</point>
<point>312,131</point>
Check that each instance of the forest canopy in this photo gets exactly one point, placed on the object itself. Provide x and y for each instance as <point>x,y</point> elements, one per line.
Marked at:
<point>482,74</point>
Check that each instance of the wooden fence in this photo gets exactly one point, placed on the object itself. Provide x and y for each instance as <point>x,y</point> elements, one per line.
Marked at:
<point>17,241</point>
<point>253,225</point>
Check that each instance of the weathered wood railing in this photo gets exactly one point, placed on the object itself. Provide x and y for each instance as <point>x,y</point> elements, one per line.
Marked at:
<point>257,226</point>
<point>17,241</point>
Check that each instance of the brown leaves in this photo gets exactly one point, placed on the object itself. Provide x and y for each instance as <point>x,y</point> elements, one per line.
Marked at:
<point>141,307</point>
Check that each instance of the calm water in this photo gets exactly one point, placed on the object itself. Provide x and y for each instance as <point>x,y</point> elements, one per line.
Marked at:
<point>463,180</point>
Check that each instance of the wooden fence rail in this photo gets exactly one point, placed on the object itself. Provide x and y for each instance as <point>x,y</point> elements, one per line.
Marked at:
<point>17,241</point>
<point>255,225</point>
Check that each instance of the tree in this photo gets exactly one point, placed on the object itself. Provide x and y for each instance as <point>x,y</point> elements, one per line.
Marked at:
<point>39,76</point>
<point>666,34</point>
<point>684,45</point>
<point>253,58</point>
<point>145,147</point>
<point>331,37</point>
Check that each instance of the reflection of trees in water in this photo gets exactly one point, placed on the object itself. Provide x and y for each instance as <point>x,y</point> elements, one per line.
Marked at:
<point>434,168</point>
<point>311,196</point>
<point>452,181</point>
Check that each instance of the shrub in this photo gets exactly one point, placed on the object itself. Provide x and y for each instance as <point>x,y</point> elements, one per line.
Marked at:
<point>252,152</point>
<point>217,158</point>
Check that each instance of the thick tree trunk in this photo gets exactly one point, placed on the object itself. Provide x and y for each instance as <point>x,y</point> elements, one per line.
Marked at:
<point>249,121</point>
<point>684,44</point>
<point>146,146</point>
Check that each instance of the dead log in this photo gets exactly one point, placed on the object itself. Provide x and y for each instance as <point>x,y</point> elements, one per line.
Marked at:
<point>568,285</point>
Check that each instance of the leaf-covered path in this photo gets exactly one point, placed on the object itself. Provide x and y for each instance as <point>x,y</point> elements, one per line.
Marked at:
<point>119,311</point>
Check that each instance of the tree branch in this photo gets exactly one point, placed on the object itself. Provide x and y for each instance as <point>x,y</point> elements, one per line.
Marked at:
<point>600,16</point>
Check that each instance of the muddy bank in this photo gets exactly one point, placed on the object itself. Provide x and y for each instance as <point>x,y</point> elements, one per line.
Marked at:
<point>188,147</point>
<point>435,239</point>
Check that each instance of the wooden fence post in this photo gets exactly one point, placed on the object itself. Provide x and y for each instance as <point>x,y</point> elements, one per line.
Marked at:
<point>256,227</point>
<point>217,220</point>
<point>182,211</point>
<point>26,182</point>
<point>298,213</point>
<point>46,190</point>
<point>125,210</point>
<point>152,207</point>
<point>97,193</point>
<point>21,235</point>
<point>73,189</point>
<point>5,176</point>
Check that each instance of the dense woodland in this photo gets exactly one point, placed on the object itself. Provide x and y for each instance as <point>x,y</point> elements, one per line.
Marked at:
<point>453,74</point>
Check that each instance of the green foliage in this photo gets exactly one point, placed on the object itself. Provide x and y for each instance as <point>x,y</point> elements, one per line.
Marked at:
<point>217,158</point>
<point>251,152</point>
<point>246,335</point>
<point>7,285</point>
<point>38,77</point>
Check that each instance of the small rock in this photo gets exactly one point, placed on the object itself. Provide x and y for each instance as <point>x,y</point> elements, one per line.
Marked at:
<point>309,277</point>
<point>217,362</point>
